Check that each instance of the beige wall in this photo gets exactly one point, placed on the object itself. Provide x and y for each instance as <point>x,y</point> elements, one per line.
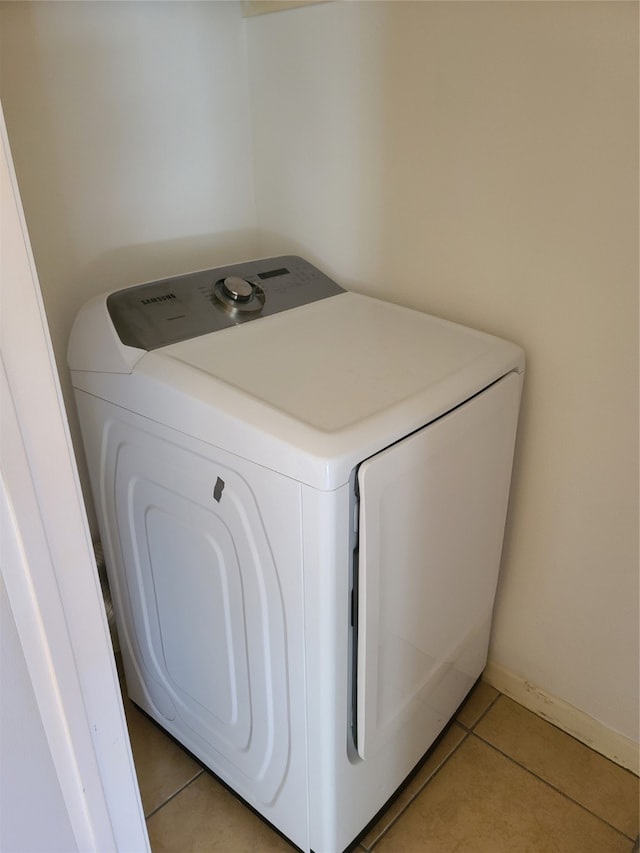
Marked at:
<point>130,132</point>
<point>480,161</point>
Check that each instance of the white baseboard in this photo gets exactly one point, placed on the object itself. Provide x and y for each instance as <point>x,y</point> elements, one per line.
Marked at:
<point>584,728</point>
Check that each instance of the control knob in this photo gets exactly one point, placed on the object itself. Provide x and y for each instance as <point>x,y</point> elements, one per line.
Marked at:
<point>237,289</point>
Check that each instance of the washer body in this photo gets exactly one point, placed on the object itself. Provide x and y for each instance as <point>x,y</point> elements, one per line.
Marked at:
<point>301,494</point>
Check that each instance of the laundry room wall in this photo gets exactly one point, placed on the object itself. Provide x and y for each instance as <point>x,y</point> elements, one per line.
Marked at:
<point>130,132</point>
<point>479,161</point>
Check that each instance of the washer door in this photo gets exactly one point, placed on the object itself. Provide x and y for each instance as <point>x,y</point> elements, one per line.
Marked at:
<point>432,514</point>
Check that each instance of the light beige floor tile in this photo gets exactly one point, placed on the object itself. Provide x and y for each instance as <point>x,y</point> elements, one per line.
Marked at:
<point>449,742</point>
<point>477,702</point>
<point>582,774</point>
<point>162,766</point>
<point>206,818</point>
<point>481,802</point>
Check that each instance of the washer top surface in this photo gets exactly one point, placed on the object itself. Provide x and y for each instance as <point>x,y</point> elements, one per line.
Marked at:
<point>275,362</point>
<point>336,362</point>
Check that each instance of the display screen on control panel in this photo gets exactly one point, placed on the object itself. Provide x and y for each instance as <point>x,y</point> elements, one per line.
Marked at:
<point>273,273</point>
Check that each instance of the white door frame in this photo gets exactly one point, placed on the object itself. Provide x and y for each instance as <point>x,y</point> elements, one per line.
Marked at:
<point>48,565</point>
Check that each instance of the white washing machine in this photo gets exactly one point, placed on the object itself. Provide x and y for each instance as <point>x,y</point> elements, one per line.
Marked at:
<point>302,495</point>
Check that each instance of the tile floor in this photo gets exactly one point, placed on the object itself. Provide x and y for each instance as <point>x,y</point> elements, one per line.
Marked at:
<point>501,779</point>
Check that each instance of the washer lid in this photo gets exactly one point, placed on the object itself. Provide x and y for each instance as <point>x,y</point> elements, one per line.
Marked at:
<point>309,392</point>
<point>341,361</point>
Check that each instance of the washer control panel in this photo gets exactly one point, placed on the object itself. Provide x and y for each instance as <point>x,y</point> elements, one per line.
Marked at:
<point>153,315</point>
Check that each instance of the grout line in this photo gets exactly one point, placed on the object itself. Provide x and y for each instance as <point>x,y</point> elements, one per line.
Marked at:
<point>429,778</point>
<point>493,702</point>
<point>174,795</point>
<point>467,730</point>
<point>483,714</point>
<point>551,785</point>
